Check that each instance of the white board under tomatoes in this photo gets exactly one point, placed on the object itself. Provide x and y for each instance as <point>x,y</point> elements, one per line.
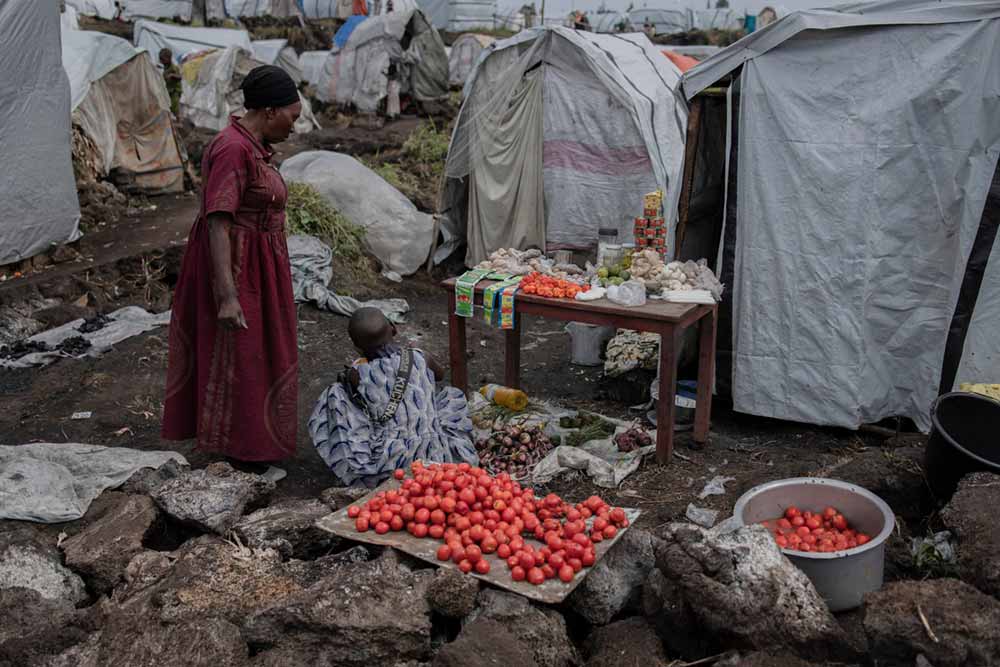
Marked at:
<point>552,591</point>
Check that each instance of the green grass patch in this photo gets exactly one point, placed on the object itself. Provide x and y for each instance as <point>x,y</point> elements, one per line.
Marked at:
<point>307,212</point>
<point>427,144</point>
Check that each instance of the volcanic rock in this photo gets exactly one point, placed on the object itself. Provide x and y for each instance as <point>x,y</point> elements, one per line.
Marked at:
<point>969,516</point>
<point>211,499</point>
<point>615,582</point>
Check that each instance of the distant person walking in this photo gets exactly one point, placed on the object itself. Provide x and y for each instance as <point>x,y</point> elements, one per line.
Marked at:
<point>172,77</point>
<point>232,379</point>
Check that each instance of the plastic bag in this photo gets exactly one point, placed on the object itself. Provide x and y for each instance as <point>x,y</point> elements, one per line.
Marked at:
<point>592,294</point>
<point>629,293</point>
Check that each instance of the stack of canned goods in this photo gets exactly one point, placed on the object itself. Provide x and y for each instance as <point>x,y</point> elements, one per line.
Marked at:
<point>650,230</point>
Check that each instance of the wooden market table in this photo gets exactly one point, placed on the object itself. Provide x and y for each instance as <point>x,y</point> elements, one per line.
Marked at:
<point>667,319</point>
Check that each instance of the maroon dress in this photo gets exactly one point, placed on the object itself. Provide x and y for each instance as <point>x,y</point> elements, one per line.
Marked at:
<point>236,390</point>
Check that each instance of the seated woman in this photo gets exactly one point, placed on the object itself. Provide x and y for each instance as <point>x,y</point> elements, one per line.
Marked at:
<point>385,412</point>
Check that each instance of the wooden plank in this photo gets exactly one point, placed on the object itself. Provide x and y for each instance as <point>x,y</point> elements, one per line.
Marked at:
<point>706,375</point>
<point>457,349</point>
<point>667,392</point>
<point>553,591</point>
<point>687,182</point>
<point>658,311</point>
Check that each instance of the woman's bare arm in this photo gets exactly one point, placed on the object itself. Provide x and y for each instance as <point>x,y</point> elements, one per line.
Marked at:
<point>226,295</point>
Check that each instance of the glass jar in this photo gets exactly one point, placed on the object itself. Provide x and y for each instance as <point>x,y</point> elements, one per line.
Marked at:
<point>609,251</point>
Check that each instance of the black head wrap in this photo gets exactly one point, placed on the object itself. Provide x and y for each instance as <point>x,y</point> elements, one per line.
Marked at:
<point>268,86</point>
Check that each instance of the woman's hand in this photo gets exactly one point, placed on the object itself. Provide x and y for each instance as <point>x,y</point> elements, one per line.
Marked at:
<point>231,314</point>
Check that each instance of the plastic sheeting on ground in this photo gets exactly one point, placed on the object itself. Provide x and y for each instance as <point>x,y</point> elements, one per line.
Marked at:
<point>121,102</point>
<point>847,274</point>
<point>396,233</point>
<point>124,323</point>
<point>183,41</point>
<point>55,482</point>
<point>277,52</point>
<point>598,159</point>
<point>38,190</point>
<point>312,271</point>
<point>358,73</point>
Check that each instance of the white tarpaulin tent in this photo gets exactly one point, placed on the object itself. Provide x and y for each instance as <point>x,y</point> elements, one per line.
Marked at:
<point>868,137</point>
<point>37,185</point>
<point>311,63</point>
<point>278,8</point>
<point>210,89</point>
<point>464,55</point>
<point>358,73</point>
<point>183,41</point>
<point>277,52</point>
<point>156,9</point>
<point>120,101</point>
<point>529,165</point>
<point>104,9</point>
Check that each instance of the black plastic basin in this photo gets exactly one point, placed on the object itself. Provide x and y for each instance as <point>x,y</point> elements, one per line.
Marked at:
<point>965,437</point>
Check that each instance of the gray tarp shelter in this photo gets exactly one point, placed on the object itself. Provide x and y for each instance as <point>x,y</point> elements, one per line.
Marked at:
<point>183,40</point>
<point>358,73</point>
<point>36,185</point>
<point>529,164</point>
<point>864,142</point>
<point>120,102</point>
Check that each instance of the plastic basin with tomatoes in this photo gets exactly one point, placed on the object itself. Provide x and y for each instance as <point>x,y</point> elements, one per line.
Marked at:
<point>842,576</point>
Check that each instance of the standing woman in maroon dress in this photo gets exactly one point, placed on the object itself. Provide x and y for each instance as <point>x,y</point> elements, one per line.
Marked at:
<point>232,378</point>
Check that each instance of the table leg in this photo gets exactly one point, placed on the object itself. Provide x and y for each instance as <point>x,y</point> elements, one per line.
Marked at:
<point>512,355</point>
<point>706,374</point>
<point>667,391</point>
<point>456,347</point>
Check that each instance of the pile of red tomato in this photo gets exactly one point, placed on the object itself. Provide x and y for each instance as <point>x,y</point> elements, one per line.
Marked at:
<point>823,532</point>
<point>543,285</point>
<point>476,514</point>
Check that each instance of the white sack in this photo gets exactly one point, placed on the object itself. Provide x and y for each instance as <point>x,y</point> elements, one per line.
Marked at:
<point>396,233</point>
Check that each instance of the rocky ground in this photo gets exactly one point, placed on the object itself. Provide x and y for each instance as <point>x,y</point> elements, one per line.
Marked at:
<point>203,565</point>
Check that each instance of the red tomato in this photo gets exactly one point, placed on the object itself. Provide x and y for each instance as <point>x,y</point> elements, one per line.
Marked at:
<point>535,576</point>
<point>575,563</point>
<point>618,515</point>
<point>782,541</point>
<point>465,566</point>
<point>548,571</point>
<point>399,474</point>
<point>574,515</point>
<point>557,560</point>
<point>489,544</point>
<point>527,560</point>
<point>588,558</point>
<point>361,525</point>
<point>813,522</point>
<point>458,554</point>
<point>566,573</point>
<point>438,517</point>
<point>582,540</point>
<point>802,531</point>
<point>862,539</point>
<point>436,532</point>
<point>477,532</point>
<point>503,551</point>
<point>839,522</point>
<point>599,524</point>
<point>513,561</point>
<point>422,515</point>
<point>517,574</point>
<point>381,528</point>
<point>420,530</point>
<point>596,537</point>
<point>407,511</point>
<point>473,553</point>
<point>798,521</point>
<point>431,502</point>
<point>784,524</point>
<point>482,566</point>
<point>610,532</point>
<point>792,512</point>
<point>829,513</point>
<point>353,511</point>
<point>444,552</point>
<point>396,523</point>
<point>448,505</point>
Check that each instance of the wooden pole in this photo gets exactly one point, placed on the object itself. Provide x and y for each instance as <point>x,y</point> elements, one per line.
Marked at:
<point>687,184</point>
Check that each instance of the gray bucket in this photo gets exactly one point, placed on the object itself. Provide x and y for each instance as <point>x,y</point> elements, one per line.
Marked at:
<point>842,578</point>
<point>588,342</point>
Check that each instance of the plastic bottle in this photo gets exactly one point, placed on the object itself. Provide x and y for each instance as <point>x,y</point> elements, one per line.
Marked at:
<point>512,399</point>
